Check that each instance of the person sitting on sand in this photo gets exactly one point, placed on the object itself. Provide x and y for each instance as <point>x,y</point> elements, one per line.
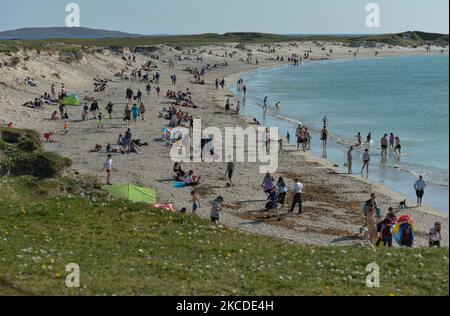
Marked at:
<point>55,116</point>
<point>190,179</point>
<point>178,171</point>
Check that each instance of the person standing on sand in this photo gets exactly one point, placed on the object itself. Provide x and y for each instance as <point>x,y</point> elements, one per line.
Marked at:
<point>158,91</point>
<point>148,88</point>
<point>53,92</point>
<point>350,160</point>
<point>195,202</point>
<point>216,208</point>
<point>135,112</point>
<point>268,183</point>
<point>282,190</point>
<point>142,111</point>
<point>420,186</point>
<point>366,162</point>
<point>127,117</point>
<point>100,123</point>
<point>384,146</point>
<point>108,168</point>
<point>230,170</point>
<point>298,190</point>
<point>109,109</point>
<point>324,137</point>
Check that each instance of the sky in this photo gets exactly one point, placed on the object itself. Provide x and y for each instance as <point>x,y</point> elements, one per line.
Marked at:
<point>221,16</point>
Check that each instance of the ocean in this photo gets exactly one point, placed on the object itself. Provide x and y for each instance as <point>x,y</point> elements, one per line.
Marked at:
<point>408,96</point>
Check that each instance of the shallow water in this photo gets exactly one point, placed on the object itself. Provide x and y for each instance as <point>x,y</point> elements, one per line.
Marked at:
<point>404,95</point>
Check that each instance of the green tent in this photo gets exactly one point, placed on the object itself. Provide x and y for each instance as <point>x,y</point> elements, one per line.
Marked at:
<point>73,100</point>
<point>133,193</point>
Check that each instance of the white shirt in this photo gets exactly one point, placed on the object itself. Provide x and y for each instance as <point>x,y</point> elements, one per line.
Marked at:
<point>298,187</point>
<point>108,165</point>
<point>435,235</point>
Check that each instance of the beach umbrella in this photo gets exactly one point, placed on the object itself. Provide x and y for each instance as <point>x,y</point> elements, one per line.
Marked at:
<point>133,193</point>
<point>73,100</point>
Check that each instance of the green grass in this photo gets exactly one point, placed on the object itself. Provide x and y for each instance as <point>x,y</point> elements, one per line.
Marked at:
<point>132,249</point>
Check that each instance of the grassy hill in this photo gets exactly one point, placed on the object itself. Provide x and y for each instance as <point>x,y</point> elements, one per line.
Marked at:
<point>57,43</point>
<point>47,223</point>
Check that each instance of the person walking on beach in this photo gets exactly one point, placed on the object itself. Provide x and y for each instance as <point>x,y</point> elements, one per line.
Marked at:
<point>127,117</point>
<point>230,170</point>
<point>282,190</point>
<point>100,123</point>
<point>359,139</point>
<point>142,111</point>
<point>369,139</point>
<point>148,88</point>
<point>420,186</point>
<point>298,190</point>
<point>109,109</point>
<point>366,162</point>
<point>398,146</point>
<point>324,137</point>
<point>135,112</point>
<point>350,160</point>
<point>384,146</point>
<point>108,168</point>
<point>325,121</point>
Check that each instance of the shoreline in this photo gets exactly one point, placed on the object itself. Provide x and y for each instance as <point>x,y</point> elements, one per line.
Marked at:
<point>325,162</point>
<point>333,202</point>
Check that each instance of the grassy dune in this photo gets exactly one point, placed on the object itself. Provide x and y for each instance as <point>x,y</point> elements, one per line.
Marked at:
<point>132,249</point>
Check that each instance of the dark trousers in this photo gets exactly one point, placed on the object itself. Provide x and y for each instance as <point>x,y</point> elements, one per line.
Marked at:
<point>282,197</point>
<point>387,242</point>
<point>435,244</point>
<point>297,200</point>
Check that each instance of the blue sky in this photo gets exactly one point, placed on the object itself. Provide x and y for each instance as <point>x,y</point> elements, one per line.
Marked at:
<point>220,16</point>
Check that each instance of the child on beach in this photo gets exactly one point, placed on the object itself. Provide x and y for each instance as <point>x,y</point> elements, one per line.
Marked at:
<point>108,168</point>
<point>100,123</point>
<point>216,208</point>
<point>66,126</point>
<point>435,235</point>
<point>195,202</point>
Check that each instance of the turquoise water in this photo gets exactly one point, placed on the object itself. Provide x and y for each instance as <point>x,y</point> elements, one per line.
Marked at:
<point>404,95</point>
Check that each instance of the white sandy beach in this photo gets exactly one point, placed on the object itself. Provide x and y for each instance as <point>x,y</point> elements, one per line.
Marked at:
<point>333,202</point>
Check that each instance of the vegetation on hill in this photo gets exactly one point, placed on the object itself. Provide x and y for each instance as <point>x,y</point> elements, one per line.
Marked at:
<point>402,39</point>
<point>134,249</point>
